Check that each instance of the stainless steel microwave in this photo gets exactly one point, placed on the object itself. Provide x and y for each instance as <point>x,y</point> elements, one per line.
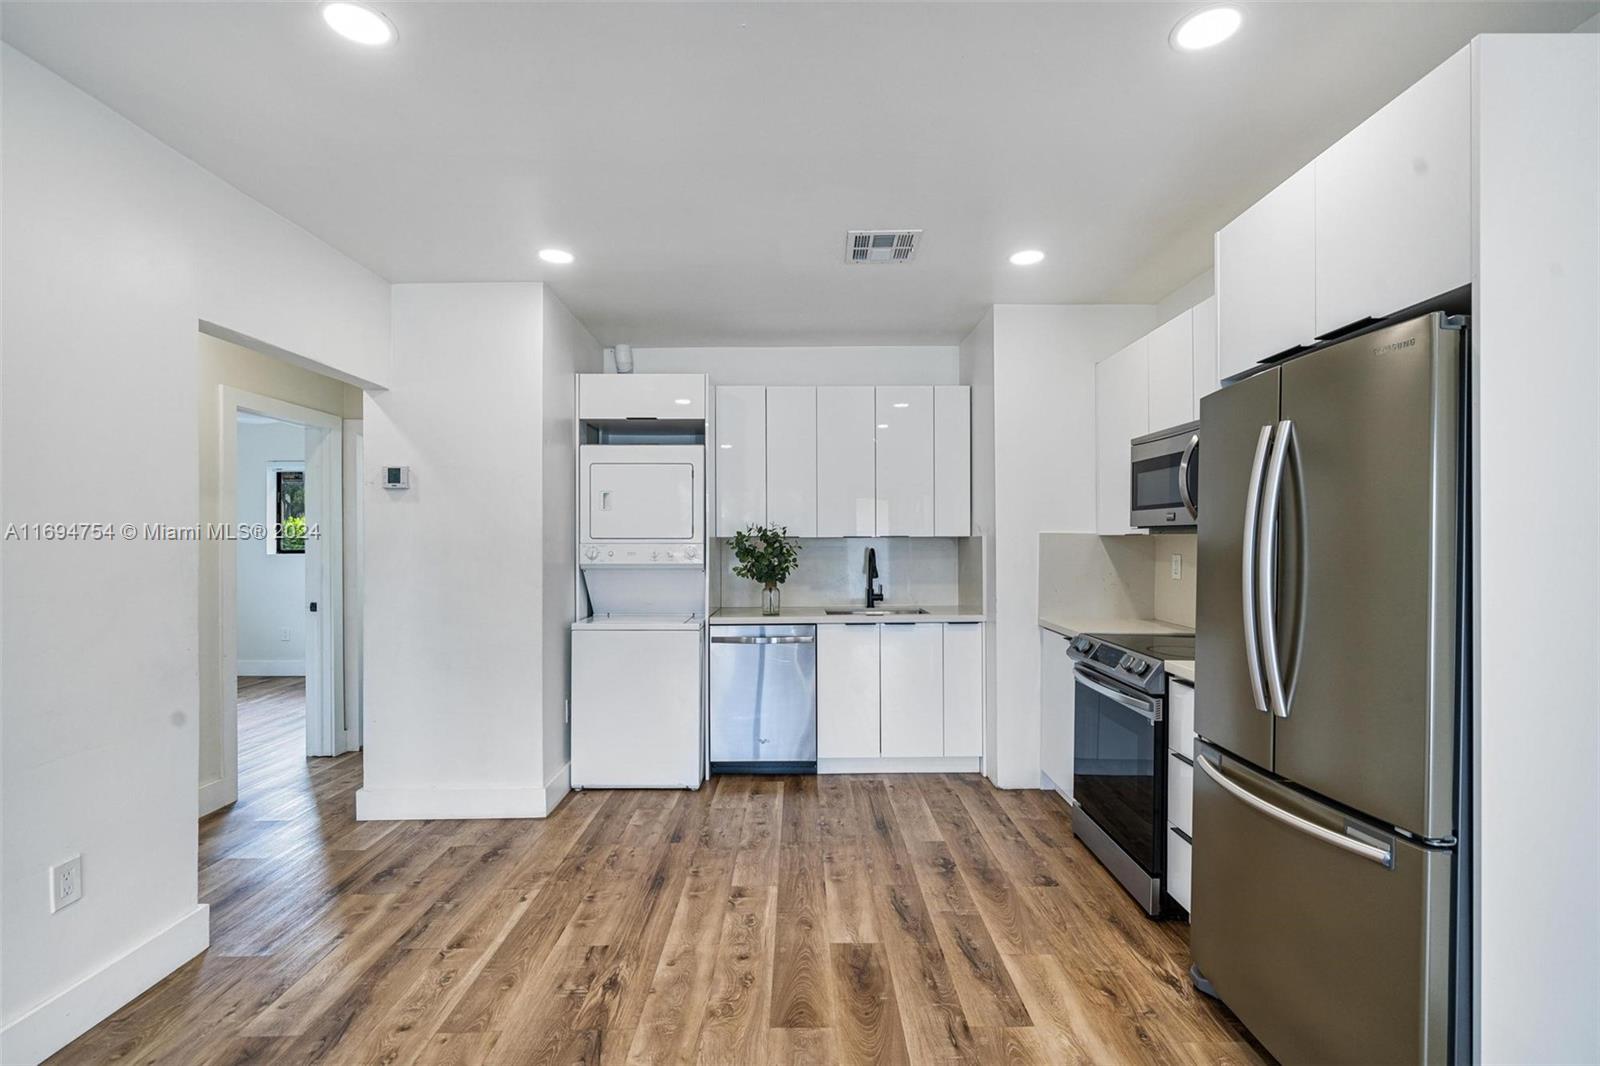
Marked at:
<point>1166,478</point>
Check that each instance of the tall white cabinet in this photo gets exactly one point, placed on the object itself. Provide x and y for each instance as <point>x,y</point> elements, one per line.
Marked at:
<point>846,461</point>
<point>904,461</point>
<point>791,480</point>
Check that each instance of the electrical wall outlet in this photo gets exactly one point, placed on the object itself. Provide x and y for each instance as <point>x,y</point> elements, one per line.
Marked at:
<point>1177,566</point>
<point>283,634</point>
<point>66,883</point>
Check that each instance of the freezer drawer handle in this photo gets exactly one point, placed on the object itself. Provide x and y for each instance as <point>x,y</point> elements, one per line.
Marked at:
<point>763,640</point>
<point>1382,856</point>
<point>1150,711</point>
<point>1247,571</point>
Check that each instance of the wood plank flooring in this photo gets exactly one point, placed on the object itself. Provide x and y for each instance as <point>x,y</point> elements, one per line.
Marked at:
<point>894,919</point>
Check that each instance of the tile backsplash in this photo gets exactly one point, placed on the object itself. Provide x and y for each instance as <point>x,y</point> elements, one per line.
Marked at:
<point>833,572</point>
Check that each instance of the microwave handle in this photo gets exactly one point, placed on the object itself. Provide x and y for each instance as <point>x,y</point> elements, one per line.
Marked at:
<point>1183,477</point>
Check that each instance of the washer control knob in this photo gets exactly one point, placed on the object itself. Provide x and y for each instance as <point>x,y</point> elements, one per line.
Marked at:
<point>692,552</point>
<point>591,552</point>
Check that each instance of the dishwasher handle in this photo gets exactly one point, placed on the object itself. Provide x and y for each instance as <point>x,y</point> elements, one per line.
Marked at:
<point>763,640</point>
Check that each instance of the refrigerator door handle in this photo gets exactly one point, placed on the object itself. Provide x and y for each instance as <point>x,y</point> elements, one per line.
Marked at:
<point>1371,852</point>
<point>1267,578</point>
<point>1247,572</point>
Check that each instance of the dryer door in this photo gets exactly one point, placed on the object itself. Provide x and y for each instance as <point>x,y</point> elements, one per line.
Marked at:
<point>641,501</point>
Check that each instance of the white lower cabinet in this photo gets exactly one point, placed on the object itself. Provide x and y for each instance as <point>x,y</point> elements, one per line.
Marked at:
<point>1180,861</point>
<point>1055,710</point>
<point>847,691</point>
<point>900,690</point>
<point>963,688</point>
<point>911,690</point>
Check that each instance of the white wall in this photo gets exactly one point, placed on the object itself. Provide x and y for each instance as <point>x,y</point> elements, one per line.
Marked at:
<point>1536,273</point>
<point>568,349</point>
<point>866,365</point>
<point>271,586</point>
<point>465,662</point>
<point>1043,427</point>
<point>115,248</point>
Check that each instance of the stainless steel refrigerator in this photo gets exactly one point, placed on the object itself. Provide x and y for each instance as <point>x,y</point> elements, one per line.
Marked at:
<point>1329,889</point>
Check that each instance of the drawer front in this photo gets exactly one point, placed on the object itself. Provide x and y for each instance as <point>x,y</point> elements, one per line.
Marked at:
<point>1180,856</point>
<point>1180,718</point>
<point>1180,793</point>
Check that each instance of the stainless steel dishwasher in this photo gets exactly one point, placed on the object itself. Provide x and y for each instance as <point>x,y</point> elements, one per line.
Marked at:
<point>764,699</point>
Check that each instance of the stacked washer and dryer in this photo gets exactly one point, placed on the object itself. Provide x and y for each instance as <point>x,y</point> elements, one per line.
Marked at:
<point>638,690</point>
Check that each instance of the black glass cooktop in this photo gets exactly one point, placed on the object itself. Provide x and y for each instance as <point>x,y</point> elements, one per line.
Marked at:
<point>1152,645</point>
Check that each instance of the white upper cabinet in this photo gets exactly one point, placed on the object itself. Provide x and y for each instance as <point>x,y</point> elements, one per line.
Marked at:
<point>606,397</point>
<point>846,461</point>
<point>911,690</point>
<point>741,457</point>
<point>952,461</point>
<point>1266,276</point>
<point>847,692</point>
<point>1394,203</point>
<point>1205,350</point>
<point>905,461</point>
<point>792,459</point>
<point>1122,412</point>
<point>1172,372</point>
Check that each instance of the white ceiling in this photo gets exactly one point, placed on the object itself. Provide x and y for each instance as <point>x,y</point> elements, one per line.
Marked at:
<point>704,160</point>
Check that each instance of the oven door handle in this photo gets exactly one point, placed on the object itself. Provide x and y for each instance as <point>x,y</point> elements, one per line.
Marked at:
<point>1147,710</point>
<point>1183,477</point>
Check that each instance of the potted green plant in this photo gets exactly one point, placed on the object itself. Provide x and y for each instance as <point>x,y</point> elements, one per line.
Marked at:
<point>766,554</point>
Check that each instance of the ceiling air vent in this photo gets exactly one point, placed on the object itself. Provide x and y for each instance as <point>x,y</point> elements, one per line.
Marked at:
<point>881,245</point>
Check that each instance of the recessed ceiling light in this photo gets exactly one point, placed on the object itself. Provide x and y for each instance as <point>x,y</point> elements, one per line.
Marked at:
<point>1205,29</point>
<point>358,23</point>
<point>1027,257</point>
<point>555,255</point>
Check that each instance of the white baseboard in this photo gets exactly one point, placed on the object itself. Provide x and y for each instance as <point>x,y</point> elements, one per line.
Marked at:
<point>951,764</point>
<point>1049,785</point>
<point>272,668</point>
<point>424,804</point>
<point>215,795</point>
<point>556,789</point>
<point>67,1015</point>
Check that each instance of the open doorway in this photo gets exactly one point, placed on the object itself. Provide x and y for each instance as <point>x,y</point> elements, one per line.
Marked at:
<point>282,645</point>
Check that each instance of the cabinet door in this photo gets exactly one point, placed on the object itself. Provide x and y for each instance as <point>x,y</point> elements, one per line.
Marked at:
<point>741,457</point>
<point>846,462</point>
<point>1204,327</point>
<point>1055,709</point>
<point>1266,277</point>
<point>911,689</point>
<point>963,688</point>
<point>847,691</point>
<point>1394,203</point>
<point>952,461</point>
<point>905,461</point>
<point>792,459</point>
<point>1172,372</point>
<point>1122,412</point>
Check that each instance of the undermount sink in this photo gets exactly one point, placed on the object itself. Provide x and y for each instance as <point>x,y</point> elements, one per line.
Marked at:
<point>874,611</point>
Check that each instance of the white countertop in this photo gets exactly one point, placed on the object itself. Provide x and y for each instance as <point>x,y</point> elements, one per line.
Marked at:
<point>808,615</point>
<point>1182,669</point>
<point>1069,626</point>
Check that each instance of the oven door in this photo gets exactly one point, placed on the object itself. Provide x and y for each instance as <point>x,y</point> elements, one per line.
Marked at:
<point>1119,768</point>
<point>1165,487</point>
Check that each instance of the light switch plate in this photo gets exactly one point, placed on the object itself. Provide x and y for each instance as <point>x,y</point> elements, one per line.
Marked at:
<point>1177,566</point>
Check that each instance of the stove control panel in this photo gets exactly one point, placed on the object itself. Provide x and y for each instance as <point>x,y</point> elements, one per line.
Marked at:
<point>1106,658</point>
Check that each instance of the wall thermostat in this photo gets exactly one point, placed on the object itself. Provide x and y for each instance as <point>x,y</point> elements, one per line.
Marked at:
<point>397,477</point>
